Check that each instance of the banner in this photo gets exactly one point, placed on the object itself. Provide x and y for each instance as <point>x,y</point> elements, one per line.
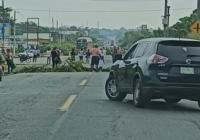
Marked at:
<point>7,29</point>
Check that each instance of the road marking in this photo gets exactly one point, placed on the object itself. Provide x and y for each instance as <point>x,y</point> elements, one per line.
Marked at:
<point>83,82</point>
<point>68,103</point>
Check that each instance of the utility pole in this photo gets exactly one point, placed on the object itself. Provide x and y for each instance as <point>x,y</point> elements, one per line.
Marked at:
<point>57,25</point>
<point>61,35</point>
<point>9,31</point>
<point>98,24</point>
<point>53,24</point>
<point>165,19</point>
<point>3,28</point>
<point>49,25</point>
<point>38,33</point>
<point>57,34</point>
<point>168,15</point>
<point>198,10</point>
<point>14,33</point>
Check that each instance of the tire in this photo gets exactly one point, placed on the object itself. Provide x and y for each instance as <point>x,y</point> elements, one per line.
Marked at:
<point>199,103</point>
<point>112,93</point>
<point>139,99</point>
<point>28,60</point>
<point>21,60</point>
<point>172,101</point>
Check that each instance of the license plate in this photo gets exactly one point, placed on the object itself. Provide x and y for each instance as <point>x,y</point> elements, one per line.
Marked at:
<point>186,70</point>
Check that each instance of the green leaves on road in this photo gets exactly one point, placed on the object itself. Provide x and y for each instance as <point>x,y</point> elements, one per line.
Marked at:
<point>69,67</point>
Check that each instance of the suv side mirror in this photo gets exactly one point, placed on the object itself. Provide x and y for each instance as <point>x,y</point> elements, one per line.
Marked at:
<point>127,61</point>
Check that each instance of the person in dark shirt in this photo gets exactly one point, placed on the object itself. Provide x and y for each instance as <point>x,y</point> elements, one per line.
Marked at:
<point>55,57</point>
<point>2,59</point>
<point>114,52</point>
<point>88,53</point>
<point>118,55</point>
<point>73,54</point>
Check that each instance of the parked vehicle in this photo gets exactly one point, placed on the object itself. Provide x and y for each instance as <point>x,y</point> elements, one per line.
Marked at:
<point>157,68</point>
<point>29,52</point>
<point>25,57</point>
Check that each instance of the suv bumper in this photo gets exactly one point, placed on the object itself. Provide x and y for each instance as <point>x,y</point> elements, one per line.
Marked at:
<point>182,92</point>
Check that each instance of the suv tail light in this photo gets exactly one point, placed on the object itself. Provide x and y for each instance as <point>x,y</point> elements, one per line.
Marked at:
<point>157,59</point>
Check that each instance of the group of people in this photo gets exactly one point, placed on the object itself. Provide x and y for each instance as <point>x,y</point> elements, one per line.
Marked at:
<point>55,55</point>
<point>36,54</point>
<point>97,60</point>
<point>9,59</point>
<point>88,55</point>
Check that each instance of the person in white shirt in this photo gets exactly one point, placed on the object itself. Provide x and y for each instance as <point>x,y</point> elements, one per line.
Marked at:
<point>101,63</point>
<point>102,55</point>
<point>49,56</point>
<point>35,54</point>
<point>60,52</point>
<point>81,55</point>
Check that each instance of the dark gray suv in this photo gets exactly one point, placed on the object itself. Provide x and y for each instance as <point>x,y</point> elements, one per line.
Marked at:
<point>155,68</point>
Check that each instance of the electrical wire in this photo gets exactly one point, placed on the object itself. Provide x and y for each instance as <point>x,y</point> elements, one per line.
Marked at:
<point>131,11</point>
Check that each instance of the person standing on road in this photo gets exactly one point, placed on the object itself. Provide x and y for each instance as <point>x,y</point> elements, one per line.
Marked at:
<point>59,53</point>
<point>118,56</point>
<point>114,52</point>
<point>102,55</point>
<point>95,58</point>
<point>49,56</point>
<point>35,54</point>
<point>81,55</point>
<point>88,56</point>
<point>55,57</point>
<point>9,60</point>
<point>2,59</point>
<point>73,54</point>
<point>42,53</point>
<point>101,63</point>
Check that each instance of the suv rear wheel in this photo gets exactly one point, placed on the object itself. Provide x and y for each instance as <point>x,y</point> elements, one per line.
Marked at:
<point>111,90</point>
<point>172,101</point>
<point>139,99</point>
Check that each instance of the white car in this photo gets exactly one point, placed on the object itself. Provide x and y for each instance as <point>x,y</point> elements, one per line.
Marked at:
<point>29,52</point>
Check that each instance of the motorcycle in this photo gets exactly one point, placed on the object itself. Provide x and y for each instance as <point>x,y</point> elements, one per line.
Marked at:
<point>23,58</point>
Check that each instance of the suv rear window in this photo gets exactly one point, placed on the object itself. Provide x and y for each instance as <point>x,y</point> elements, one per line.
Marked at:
<point>178,49</point>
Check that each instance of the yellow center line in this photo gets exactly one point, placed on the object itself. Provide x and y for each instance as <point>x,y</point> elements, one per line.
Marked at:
<point>68,103</point>
<point>83,82</point>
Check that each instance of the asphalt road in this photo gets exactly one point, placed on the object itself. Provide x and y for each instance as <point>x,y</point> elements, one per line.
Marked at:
<point>73,106</point>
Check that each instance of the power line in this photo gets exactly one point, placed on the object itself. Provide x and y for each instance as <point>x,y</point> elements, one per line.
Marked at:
<point>128,0</point>
<point>131,11</point>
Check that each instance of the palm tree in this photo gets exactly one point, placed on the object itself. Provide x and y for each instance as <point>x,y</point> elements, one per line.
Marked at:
<point>7,11</point>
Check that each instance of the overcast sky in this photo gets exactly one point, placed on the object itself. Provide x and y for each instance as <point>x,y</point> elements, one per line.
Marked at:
<point>145,12</point>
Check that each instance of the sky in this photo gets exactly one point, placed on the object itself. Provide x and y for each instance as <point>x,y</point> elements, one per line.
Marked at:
<point>73,12</point>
